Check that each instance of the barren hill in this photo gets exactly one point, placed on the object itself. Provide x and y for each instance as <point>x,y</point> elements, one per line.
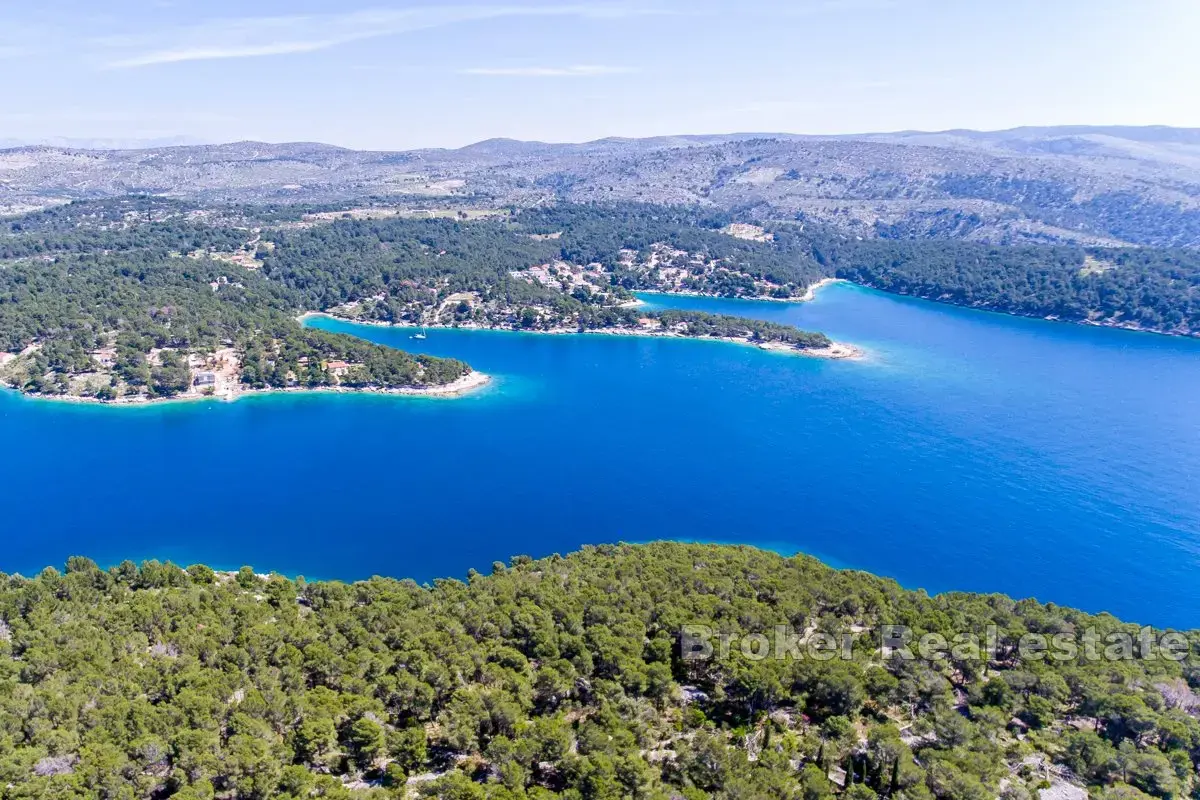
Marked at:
<point>1087,184</point>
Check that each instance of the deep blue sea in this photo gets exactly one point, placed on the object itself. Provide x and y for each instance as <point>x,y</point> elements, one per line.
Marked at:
<point>970,450</point>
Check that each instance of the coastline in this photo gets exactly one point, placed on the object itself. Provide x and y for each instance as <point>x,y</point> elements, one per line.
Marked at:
<point>471,382</point>
<point>1090,323</point>
<point>836,351</point>
<point>809,294</point>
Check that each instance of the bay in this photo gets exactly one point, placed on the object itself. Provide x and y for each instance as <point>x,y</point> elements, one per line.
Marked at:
<point>969,450</point>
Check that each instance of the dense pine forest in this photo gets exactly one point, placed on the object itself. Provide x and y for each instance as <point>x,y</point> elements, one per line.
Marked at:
<point>571,677</point>
<point>1144,288</point>
<point>106,308</point>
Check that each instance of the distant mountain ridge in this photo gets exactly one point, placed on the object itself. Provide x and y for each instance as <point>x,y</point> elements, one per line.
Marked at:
<point>1086,184</point>
<point>116,143</point>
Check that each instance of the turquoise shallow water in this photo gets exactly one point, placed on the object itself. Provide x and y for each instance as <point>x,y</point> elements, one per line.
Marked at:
<point>969,451</point>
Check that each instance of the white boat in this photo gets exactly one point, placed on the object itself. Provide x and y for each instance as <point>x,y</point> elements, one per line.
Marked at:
<point>420,335</point>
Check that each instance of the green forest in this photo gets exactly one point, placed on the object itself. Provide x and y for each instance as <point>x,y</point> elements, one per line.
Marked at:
<point>133,290</point>
<point>565,677</point>
<point>1146,288</point>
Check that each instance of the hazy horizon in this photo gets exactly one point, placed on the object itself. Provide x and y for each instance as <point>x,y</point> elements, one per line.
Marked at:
<point>402,74</point>
<point>105,143</point>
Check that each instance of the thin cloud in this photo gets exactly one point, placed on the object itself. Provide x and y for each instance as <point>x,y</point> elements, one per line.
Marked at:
<point>838,6</point>
<point>577,71</point>
<point>273,36</point>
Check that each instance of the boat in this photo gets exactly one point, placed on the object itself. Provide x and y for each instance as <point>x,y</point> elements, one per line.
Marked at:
<point>420,335</point>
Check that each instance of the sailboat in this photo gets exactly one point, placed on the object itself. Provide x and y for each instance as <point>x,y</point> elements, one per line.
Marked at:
<point>420,335</point>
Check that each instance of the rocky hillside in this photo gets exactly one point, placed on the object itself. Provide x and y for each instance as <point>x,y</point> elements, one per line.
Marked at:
<point>1079,184</point>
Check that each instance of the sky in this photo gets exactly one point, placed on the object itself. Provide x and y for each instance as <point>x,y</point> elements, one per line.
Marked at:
<point>397,74</point>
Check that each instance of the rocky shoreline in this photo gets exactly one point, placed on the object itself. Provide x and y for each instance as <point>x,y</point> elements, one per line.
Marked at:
<point>468,383</point>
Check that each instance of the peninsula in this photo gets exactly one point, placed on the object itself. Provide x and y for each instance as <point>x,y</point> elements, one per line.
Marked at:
<point>285,361</point>
<point>668,324</point>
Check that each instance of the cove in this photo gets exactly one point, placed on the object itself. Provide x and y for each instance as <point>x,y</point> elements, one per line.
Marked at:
<point>970,451</point>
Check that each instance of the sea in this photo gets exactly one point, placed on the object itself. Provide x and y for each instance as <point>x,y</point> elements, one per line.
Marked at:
<point>968,450</point>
